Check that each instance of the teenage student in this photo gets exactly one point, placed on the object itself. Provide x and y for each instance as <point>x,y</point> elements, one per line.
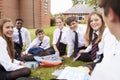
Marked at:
<point>10,69</point>
<point>109,68</point>
<point>21,36</point>
<point>39,44</point>
<point>59,36</point>
<point>75,38</point>
<point>94,32</point>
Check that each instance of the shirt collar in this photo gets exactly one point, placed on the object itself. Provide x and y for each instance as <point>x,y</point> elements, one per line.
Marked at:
<point>97,32</point>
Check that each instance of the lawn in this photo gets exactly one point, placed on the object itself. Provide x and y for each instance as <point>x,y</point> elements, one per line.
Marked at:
<point>45,72</point>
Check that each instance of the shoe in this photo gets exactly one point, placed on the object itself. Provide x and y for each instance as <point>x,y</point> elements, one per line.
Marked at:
<point>58,79</point>
<point>65,57</point>
<point>34,78</point>
<point>22,78</point>
<point>25,78</point>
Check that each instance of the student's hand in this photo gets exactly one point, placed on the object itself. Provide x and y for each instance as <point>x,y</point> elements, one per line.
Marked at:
<point>57,52</point>
<point>29,54</point>
<point>22,54</point>
<point>75,58</point>
<point>78,55</point>
<point>36,46</point>
<point>81,51</point>
<point>22,63</point>
<point>65,57</point>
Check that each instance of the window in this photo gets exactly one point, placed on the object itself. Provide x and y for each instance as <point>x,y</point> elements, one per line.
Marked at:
<point>45,6</point>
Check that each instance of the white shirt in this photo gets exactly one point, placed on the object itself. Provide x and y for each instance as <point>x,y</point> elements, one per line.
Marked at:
<point>45,43</point>
<point>88,49</point>
<point>109,68</point>
<point>5,59</point>
<point>71,38</point>
<point>57,33</point>
<point>25,36</point>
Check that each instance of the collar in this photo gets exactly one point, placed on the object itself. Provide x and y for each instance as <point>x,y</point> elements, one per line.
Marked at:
<point>97,32</point>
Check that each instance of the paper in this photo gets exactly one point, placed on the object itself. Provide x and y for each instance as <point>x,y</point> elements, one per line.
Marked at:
<point>74,73</point>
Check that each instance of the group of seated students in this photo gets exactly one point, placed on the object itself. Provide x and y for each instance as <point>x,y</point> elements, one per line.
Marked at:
<point>86,43</point>
<point>82,42</point>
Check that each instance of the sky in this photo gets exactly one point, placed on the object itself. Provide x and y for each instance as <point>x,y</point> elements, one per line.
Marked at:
<point>59,6</point>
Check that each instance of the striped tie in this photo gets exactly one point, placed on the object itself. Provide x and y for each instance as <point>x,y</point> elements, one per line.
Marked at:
<point>94,47</point>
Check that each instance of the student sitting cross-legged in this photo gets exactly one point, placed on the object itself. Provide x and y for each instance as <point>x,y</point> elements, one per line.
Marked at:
<point>75,36</point>
<point>10,68</point>
<point>94,32</point>
<point>39,44</point>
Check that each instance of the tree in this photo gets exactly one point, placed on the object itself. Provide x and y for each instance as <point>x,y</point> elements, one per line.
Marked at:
<point>93,3</point>
<point>75,2</point>
<point>79,1</point>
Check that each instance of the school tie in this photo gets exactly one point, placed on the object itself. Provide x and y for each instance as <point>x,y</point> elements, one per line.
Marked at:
<point>20,38</point>
<point>76,44</point>
<point>40,43</point>
<point>58,42</point>
<point>94,47</point>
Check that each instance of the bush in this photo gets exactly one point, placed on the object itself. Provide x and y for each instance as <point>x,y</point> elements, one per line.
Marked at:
<point>52,21</point>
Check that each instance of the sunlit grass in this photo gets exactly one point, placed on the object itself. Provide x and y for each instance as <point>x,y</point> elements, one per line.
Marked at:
<point>46,73</point>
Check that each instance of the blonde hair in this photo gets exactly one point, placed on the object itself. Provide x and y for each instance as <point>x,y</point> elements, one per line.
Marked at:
<point>60,17</point>
<point>89,31</point>
<point>10,45</point>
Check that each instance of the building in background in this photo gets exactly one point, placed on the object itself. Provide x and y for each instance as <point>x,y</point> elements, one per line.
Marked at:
<point>81,11</point>
<point>35,13</point>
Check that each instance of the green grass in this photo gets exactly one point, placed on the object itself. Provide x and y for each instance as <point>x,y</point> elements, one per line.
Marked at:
<point>45,73</point>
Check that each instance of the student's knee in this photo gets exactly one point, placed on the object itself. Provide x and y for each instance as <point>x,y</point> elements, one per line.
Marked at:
<point>27,71</point>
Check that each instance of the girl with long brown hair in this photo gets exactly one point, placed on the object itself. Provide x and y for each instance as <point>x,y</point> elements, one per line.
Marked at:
<point>10,69</point>
<point>94,32</point>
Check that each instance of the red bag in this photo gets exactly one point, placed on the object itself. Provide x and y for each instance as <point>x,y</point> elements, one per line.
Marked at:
<point>50,64</point>
<point>49,60</point>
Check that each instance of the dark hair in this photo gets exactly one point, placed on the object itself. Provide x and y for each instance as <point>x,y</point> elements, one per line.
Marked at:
<point>114,4</point>
<point>39,31</point>
<point>71,19</point>
<point>19,19</point>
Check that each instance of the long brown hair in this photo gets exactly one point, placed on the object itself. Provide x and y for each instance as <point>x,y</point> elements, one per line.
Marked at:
<point>89,31</point>
<point>10,45</point>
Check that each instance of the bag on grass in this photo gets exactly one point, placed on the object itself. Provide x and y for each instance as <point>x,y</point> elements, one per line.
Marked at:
<point>49,60</point>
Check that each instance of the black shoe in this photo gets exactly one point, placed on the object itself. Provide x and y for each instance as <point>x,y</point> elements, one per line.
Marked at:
<point>22,78</point>
<point>25,78</point>
<point>58,79</point>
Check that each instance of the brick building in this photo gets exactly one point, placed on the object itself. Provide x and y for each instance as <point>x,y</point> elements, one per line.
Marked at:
<point>35,13</point>
<point>81,11</point>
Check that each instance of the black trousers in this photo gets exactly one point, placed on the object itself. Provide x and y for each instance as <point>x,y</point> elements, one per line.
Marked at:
<point>18,50</point>
<point>86,57</point>
<point>62,49</point>
<point>13,75</point>
<point>93,64</point>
